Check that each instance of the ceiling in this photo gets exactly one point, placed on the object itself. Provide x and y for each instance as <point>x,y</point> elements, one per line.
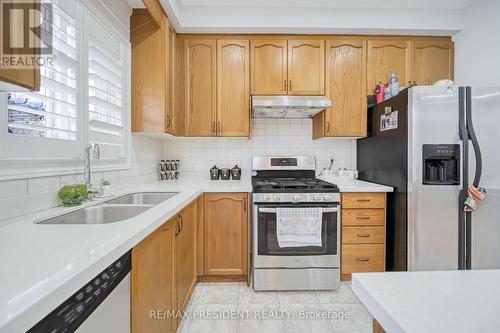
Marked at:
<point>393,4</point>
<point>391,17</point>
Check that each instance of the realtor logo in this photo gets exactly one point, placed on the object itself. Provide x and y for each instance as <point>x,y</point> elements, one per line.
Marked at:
<point>26,33</point>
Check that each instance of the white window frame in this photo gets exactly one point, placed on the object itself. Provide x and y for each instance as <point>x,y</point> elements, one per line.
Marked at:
<point>22,168</point>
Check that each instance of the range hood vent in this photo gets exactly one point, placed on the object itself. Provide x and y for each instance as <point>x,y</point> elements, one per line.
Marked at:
<point>289,106</point>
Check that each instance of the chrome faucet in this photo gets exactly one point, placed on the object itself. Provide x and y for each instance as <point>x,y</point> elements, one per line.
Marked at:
<point>96,154</point>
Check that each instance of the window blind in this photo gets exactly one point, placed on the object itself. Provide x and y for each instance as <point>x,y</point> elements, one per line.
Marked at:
<point>53,112</point>
<point>106,91</point>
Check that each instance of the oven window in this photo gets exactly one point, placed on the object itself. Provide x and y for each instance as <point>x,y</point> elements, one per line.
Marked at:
<point>268,241</point>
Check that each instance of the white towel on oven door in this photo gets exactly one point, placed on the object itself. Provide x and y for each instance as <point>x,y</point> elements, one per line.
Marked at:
<point>299,227</point>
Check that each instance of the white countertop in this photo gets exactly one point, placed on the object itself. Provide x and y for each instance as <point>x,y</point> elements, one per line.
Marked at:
<point>43,265</point>
<point>359,186</point>
<point>440,301</point>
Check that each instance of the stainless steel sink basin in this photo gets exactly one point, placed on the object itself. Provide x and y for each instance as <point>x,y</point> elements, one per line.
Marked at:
<point>100,214</point>
<point>144,198</point>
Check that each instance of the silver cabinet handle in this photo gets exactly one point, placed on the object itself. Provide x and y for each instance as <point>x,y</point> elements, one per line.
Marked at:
<point>273,210</point>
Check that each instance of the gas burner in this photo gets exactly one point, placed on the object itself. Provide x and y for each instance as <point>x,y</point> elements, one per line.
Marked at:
<point>292,185</point>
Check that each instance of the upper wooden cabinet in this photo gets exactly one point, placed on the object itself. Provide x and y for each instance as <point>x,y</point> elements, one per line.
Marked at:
<point>153,54</point>
<point>226,233</point>
<point>200,61</point>
<point>385,56</point>
<point>306,67</point>
<point>269,67</point>
<point>432,61</point>
<point>16,79</point>
<point>294,67</point>
<point>233,92</point>
<point>217,93</point>
<point>345,86</point>
<point>152,280</point>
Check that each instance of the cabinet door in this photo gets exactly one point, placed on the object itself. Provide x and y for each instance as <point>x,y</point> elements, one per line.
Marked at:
<point>200,90</point>
<point>152,280</point>
<point>226,232</point>
<point>185,255</point>
<point>345,85</point>
<point>432,61</point>
<point>149,72</point>
<point>385,56</point>
<point>170,94</point>
<point>233,91</point>
<point>269,67</point>
<point>306,67</point>
<point>15,77</point>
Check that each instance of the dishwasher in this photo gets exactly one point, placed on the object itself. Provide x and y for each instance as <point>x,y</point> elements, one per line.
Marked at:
<point>101,305</point>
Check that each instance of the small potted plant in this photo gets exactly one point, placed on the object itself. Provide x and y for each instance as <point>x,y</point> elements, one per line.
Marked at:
<point>106,189</point>
<point>73,195</point>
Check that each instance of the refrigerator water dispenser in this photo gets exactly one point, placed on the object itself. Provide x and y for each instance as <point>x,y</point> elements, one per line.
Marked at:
<point>441,164</point>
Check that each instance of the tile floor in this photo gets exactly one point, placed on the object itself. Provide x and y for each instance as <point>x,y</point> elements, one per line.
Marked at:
<point>244,310</point>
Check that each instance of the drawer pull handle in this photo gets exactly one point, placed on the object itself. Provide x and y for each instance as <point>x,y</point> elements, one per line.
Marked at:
<point>363,259</point>
<point>364,236</point>
<point>363,200</point>
<point>363,217</point>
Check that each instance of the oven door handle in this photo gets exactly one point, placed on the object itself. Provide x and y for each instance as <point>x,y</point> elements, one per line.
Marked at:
<point>325,210</point>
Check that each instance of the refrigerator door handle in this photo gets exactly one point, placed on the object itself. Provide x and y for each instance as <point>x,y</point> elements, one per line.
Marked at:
<point>465,179</point>
<point>472,136</point>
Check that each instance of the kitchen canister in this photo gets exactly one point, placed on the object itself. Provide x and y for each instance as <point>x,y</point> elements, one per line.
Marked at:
<point>236,173</point>
<point>214,173</point>
<point>225,174</point>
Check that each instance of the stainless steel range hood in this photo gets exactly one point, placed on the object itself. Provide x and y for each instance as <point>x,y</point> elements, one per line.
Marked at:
<point>289,106</point>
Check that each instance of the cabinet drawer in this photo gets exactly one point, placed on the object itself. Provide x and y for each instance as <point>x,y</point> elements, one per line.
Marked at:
<point>363,200</point>
<point>362,258</point>
<point>363,235</point>
<point>358,217</point>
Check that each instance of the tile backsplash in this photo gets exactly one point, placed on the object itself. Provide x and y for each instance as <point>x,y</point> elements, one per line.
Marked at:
<point>24,196</point>
<point>269,137</point>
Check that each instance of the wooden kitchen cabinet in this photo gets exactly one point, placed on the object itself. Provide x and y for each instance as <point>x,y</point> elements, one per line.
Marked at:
<point>363,233</point>
<point>226,234</point>
<point>431,61</point>
<point>306,67</point>
<point>152,280</point>
<point>233,91</point>
<point>153,56</point>
<point>281,67</point>
<point>185,254</point>
<point>385,56</point>
<point>345,86</point>
<point>269,67</point>
<point>200,61</point>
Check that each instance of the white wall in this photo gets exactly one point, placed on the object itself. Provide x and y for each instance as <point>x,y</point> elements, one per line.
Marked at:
<point>269,137</point>
<point>24,196</point>
<point>477,47</point>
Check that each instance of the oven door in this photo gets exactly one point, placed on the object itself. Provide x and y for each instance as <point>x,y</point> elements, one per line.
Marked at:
<point>268,254</point>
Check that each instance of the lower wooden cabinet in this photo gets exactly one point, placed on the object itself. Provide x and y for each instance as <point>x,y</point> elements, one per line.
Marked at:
<point>226,234</point>
<point>164,273</point>
<point>363,233</point>
<point>152,280</point>
<point>185,256</point>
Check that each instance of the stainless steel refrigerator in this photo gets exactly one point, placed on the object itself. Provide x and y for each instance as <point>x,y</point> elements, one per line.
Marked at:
<point>430,143</point>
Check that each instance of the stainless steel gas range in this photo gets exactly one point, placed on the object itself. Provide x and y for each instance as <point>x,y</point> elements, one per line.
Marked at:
<point>289,182</point>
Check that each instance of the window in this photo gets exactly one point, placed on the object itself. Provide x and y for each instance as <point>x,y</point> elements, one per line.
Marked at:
<point>84,96</point>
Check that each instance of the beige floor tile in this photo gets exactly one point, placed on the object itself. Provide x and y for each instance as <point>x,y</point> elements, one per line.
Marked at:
<point>342,296</point>
<point>349,318</point>
<point>260,319</point>
<point>297,297</point>
<point>219,294</point>
<point>249,296</point>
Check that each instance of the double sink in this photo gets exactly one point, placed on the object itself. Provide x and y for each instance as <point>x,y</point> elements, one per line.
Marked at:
<point>114,210</point>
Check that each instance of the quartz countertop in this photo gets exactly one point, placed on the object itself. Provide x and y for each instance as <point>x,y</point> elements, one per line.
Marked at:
<point>43,265</point>
<point>438,301</point>
<point>359,186</point>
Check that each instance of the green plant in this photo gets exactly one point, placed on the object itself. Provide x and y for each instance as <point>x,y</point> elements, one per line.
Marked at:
<point>72,195</point>
<point>105,183</point>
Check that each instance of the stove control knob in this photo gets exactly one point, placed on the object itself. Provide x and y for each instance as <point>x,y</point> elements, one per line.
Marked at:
<point>296,197</point>
<point>327,197</point>
<point>276,198</point>
<point>266,198</point>
<point>317,197</point>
